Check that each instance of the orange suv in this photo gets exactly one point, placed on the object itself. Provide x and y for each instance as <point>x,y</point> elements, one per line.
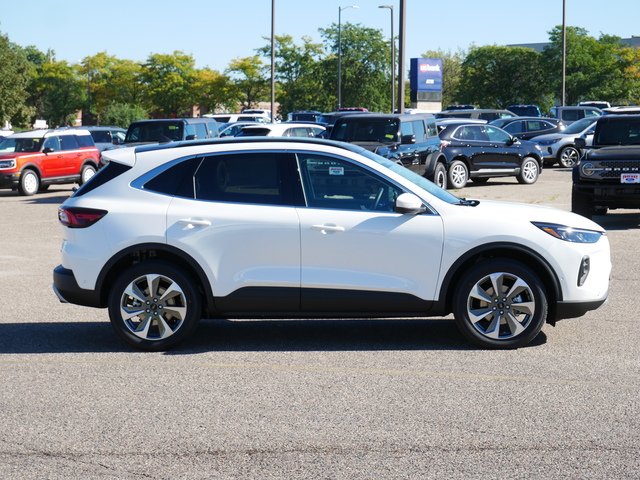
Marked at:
<point>31,161</point>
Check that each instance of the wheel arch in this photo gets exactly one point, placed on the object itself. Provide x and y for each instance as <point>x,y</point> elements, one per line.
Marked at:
<point>140,253</point>
<point>508,251</point>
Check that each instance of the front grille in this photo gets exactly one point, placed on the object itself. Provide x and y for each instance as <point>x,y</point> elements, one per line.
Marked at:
<point>613,169</point>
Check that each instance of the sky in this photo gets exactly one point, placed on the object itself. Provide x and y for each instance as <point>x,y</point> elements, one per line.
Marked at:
<point>215,32</point>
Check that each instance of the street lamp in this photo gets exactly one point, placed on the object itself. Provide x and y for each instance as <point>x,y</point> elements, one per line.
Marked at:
<point>393,61</point>
<point>340,9</point>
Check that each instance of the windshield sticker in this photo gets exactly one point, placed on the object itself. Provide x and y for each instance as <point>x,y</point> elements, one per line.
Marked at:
<point>336,170</point>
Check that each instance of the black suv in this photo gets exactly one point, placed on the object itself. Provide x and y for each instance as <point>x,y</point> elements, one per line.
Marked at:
<point>407,139</point>
<point>608,174</point>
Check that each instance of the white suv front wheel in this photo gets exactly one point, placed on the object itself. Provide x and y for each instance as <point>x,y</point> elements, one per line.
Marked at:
<point>154,305</point>
<point>500,304</point>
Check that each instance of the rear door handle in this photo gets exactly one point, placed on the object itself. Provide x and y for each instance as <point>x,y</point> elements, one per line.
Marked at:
<point>192,222</point>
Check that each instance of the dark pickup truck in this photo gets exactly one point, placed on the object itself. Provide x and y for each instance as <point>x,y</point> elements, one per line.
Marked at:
<point>608,174</point>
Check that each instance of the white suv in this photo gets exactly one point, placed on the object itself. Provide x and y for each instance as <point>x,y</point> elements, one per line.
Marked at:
<point>298,228</point>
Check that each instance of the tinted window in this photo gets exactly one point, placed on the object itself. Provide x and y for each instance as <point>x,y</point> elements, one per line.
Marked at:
<point>243,178</point>
<point>495,134</point>
<point>68,142</point>
<point>514,127</point>
<point>53,143</point>
<point>109,172</point>
<point>362,129</point>
<point>471,132</point>
<point>335,183</point>
<point>154,132</point>
<point>101,136</point>
<point>418,130</point>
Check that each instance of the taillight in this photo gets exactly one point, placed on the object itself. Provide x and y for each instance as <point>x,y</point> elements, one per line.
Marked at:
<point>77,217</point>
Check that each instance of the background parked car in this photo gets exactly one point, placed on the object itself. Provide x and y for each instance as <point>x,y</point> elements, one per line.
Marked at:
<point>478,113</point>
<point>32,161</point>
<point>106,136</point>
<point>525,128</point>
<point>568,115</point>
<point>286,129</point>
<point>479,152</point>
<point>234,128</point>
<point>238,117</point>
<point>170,130</point>
<point>525,110</point>
<point>560,147</point>
<point>410,140</point>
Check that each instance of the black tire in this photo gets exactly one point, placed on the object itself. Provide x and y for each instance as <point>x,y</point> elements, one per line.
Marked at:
<point>86,173</point>
<point>458,174</point>
<point>580,204</point>
<point>144,315</point>
<point>29,183</point>
<point>569,156</point>
<point>500,304</point>
<point>529,172</point>
<point>440,176</point>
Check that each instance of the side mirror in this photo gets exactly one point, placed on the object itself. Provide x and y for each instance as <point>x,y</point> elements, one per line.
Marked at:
<point>190,137</point>
<point>580,142</point>
<point>48,150</point>
<point>408,203</point>
<point>116,140</point>
<point>408,139</point>
<point>512,140</point>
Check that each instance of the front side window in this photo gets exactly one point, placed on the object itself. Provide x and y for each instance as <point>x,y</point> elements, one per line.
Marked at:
<point>53,143</point>
<point>432,128</point>
<point>496,135</point>
<point>256,177</point>
<point>336,183</point>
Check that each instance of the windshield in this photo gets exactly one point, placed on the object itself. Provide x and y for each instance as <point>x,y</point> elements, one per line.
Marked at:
<point>579,126</point>
<point>27,145</point>
<point>154,132</point>
<point>381,130</point>
<point>414,178</point>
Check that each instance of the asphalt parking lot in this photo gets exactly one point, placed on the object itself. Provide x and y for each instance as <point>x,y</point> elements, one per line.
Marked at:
<point>350,399</point>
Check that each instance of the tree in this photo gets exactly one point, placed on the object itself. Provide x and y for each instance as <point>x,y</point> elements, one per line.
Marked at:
<point>298,85</point>
<point>214,91</point>
<point>15,75</point>
<point>249,76</point>
<point>451,73</point>
<point>167,82</point>
<point>366,80</point>
<point>122,114</point>
<point>594,67</point>
<point>497,76</point>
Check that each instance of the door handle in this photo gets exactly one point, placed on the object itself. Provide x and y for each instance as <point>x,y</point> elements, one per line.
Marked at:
<point>324,229</point>
<point>192,222</point>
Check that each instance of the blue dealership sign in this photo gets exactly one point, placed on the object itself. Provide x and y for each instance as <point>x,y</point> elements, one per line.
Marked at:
<point>426,75</point>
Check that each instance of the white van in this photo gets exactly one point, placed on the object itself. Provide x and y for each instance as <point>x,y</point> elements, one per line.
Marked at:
<point>238,117</point>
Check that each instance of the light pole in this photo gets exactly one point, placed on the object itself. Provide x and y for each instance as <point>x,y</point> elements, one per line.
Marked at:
<point>401,50</point>
<point>393,61</point>
<point>273,61</point>
<point>340,9</point>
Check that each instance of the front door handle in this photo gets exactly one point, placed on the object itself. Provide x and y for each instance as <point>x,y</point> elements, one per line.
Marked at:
<point>192,222</point>
<point>324,229</point>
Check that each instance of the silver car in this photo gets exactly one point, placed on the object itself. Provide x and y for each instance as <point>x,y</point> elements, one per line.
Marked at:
<point>560,147</point>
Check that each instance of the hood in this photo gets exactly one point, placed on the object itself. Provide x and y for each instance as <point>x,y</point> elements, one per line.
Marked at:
<point>532,213</point>
<point>375,147</point>
<point>618,152</point>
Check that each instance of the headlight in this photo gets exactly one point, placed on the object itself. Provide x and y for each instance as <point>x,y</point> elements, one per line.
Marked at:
<point>7,164</point>
<point>588,169</point>
<point>569,234</point>
<point>549,142</point>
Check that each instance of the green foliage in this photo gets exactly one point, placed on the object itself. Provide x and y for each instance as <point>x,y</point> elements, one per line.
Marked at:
<point>594,67</point>
<point>168,82</point>
<point>496,77</point>
<point>365,66</point>
<point>122,114</point>
<point>15,70</point>
<point>250,83</point>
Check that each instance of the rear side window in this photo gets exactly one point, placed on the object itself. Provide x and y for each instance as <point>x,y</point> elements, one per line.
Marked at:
<point>110,171</point>
<point>87,140</point>
<point>68,142</point>
<point>256,178</point>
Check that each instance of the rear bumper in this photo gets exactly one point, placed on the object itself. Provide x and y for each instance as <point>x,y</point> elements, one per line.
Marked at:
<point>68,291</point>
